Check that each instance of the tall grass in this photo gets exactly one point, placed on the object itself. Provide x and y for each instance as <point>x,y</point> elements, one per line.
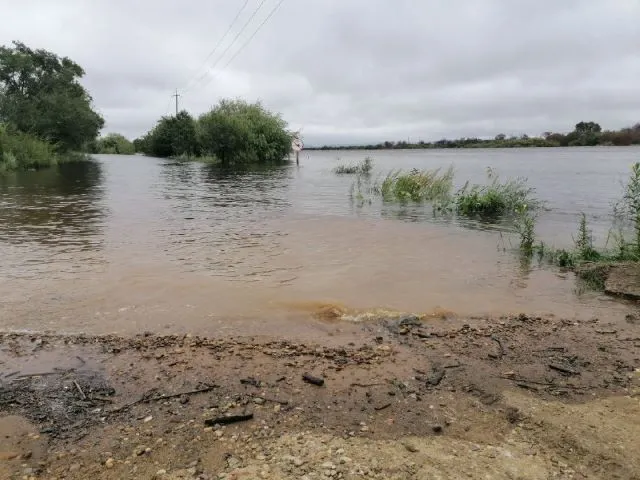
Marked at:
<point>525,226</point>
<point>416,185</point>
<point>363,168</point>
<point>590,263</point>
<point>496,198</point>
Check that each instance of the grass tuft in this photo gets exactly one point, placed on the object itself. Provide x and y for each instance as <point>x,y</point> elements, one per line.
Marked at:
<point>363,168</point>
<point>416,185</point>
<point>496,198</point>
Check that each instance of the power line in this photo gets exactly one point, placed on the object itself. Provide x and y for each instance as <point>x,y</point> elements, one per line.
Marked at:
<point>244,27</point>
<point>215,48</point>
<point>245,44</point>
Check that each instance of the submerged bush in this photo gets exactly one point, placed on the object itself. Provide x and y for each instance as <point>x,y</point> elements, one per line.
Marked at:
<point>363,168</point>
<point>113,143</point>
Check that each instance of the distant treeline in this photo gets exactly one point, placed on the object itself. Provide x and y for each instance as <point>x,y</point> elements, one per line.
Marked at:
<point>584,134</point>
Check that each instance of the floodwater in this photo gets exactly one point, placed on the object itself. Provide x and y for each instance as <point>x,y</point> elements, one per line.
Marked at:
<point>129,244</point>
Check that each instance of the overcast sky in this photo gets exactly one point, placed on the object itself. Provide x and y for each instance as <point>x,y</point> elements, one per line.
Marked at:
<point>350,71</point>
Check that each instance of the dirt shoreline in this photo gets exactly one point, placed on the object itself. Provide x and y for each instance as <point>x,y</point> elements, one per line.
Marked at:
<point>511,397</point>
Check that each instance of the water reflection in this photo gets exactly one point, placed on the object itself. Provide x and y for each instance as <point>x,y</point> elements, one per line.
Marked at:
<point>53,207</point>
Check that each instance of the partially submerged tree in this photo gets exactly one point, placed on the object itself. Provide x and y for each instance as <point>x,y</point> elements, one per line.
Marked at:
<point>113,143</point>
<point>238,132</point>
<point>40,94</point>
<point>172,137</point>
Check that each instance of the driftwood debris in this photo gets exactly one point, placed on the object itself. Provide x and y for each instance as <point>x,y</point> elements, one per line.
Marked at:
<point>563,369</point>
<point>251,381</point>
<point>319,381</point>
<point>228,420</point>
<point>151,397</point>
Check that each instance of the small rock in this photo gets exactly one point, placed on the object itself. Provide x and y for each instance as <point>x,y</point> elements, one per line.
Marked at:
<point>161,472</point>
<point>75,467</point>
<point>148,419</point>
<point>141,450</point>
<point>109,463</point>
<point>258,400</point>
<point>410,446</point>
<point>184,399</point>
<point>436,428</point>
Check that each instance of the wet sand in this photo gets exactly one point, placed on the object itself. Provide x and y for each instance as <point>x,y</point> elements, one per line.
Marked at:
<point>402,398</point>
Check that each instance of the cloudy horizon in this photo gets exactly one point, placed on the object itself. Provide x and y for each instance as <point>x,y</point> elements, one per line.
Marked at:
<point>353,72</point>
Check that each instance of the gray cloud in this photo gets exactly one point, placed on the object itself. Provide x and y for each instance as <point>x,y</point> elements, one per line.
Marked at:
<point>357,70</point>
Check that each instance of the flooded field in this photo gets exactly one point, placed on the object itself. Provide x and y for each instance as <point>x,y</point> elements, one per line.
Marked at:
<point>132,244</point>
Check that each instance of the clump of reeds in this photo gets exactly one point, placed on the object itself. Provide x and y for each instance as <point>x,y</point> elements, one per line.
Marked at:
<point>496,198</point>
<point>416,185</point>
<point>363,168</point>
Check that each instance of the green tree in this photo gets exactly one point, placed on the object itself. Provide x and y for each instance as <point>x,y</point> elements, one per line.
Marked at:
<point>172,136</point>
<point>239,132</point>
<point>587,127</point>
<point>40,94</point>
<point>113,143</point>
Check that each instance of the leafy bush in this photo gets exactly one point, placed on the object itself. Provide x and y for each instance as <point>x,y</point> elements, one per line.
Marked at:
<point>21,151</point>
<point>238,132</point>
<point>171,137</point>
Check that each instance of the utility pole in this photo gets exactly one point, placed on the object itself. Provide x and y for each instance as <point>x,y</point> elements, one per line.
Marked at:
<point>176,95</point>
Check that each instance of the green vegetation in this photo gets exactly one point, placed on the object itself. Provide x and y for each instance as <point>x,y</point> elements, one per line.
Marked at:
<point>171,137</point>
<point>45,113</point>
<point>496,198</point>
<point>583,134</point>
<point>590,263</point>
<point>22,151</point>
<point>112,143</point>
<point>234,133</point>
<point>512,198</point>
<point>363,168</point>
<point>525,226</point>
<point>416,185</point>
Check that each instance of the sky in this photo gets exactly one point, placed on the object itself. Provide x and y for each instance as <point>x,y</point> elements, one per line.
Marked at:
<point>351,71</point>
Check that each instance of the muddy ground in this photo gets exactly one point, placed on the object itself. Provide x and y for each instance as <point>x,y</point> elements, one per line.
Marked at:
<point>502,398</point>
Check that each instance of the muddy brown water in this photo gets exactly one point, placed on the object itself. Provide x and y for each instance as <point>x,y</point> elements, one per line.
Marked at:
<point>130,244</point>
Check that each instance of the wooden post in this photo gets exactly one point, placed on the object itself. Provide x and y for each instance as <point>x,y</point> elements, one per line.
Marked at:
<point>297,158</point>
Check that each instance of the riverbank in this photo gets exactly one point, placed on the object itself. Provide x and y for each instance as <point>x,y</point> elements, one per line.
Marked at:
<point>401,398</point>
